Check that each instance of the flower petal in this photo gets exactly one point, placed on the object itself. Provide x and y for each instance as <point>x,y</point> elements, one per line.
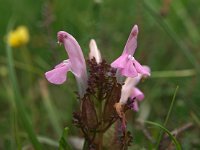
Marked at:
<point>94,51</point>
<point>136,93</point>
<point>135,106</point>
<point>131,43</point>
<point>58,75</point>
<point>77,61</point>
<point>140,68</point>
<point>147,68</point>
<point>126,90</point>
<point>129,70</point>
<point>74,52</point>
<point>120,62</point>
<point>62,63</point>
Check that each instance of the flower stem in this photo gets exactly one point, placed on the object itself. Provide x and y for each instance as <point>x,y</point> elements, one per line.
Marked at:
<point>100,140</point>
<point>20,107</point>
<point>100,135</point>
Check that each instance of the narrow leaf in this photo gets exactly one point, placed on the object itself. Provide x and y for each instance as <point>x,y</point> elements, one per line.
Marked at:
<point>63,144</point>
<point>177,144</point>
<point>167,117</point>
<point>18,97</point>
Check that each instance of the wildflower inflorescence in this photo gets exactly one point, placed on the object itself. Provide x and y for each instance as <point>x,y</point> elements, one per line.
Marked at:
<point>103,99</point>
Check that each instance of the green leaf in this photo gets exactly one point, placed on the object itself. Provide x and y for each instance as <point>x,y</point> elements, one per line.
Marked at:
<point>63,144</point>
<point>177,144</point>
<point>167,117</point>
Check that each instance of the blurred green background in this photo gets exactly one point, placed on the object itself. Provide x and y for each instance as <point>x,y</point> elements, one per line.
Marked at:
<point>168,42</point>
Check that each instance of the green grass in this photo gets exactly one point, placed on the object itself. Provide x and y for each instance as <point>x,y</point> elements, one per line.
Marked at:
<point>34,114</point>
<point>18,102</point>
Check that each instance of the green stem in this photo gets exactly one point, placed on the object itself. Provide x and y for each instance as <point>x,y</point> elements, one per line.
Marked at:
<point>15,130</point>
<point>18,99</point>
<point>85,146</point>
<point>100,140</point>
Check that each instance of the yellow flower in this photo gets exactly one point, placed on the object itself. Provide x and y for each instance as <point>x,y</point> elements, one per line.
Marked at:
<point>18,37</point>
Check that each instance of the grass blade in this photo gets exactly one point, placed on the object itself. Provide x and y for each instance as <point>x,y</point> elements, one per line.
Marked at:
<point>171,106</point>
<point>52,113</point>
<point>63,144</point>
<point>181,12</point>
<point>183,47</point>
<point>167,117</point>
<point>173,73</point>
<point>177,144</point>
<point>48,141</point>
<point>195,118</point>
<point>18,99</point>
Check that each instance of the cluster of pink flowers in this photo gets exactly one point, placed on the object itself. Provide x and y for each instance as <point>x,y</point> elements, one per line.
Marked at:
<point>126,66</point>
<point>112,87</point>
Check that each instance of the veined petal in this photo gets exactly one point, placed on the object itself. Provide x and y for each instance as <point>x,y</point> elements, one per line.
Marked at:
<point>131,43</point>
<point>59,74</point>
<point>120,62</point>
<point>140,68</point>
<point>136,93</point>
<point>94,51</point>
<point>129,70</point>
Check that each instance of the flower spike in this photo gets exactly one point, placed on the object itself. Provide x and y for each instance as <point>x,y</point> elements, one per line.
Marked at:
<point>126,64</point>
<point>103,98</point>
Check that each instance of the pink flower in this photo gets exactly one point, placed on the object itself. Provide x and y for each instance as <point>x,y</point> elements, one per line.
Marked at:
<point>94,51</point>
<point>129,90</point>
<point>126,64</point>
<point>58,74</point>
<point>138,95</point>
<point>75,63</point>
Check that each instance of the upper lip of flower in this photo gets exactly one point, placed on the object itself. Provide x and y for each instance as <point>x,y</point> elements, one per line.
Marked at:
<point>131,43</point>
<point>61,35</point>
